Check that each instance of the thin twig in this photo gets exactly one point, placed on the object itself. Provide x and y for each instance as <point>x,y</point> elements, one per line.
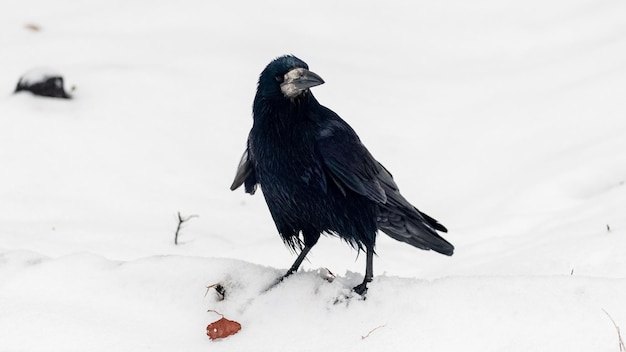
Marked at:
<point>622,348</point>
<point>208,288</point>
<point>214,311</point>
<point>181,220</point>
<point>219,288</point>
<point>371,331</point>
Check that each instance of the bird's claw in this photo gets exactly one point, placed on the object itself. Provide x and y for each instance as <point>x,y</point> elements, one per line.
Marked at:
<point>361,289</point>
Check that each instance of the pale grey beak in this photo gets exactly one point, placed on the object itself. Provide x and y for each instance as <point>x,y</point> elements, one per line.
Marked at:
<point>298,80</point>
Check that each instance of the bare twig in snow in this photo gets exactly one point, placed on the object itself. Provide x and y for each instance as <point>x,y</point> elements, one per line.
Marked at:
<point>181,220</point>
<point>622,348</point>
<point>371,331</point>
<point>214,311</point>
<point>219,288</point>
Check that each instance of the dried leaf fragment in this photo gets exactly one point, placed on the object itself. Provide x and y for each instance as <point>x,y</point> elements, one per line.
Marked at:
<point>326,274</point>
<point>222,328</point>
<point>33,27</point>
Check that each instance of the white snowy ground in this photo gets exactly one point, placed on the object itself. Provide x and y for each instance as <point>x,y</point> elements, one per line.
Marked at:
<point>504,120</point>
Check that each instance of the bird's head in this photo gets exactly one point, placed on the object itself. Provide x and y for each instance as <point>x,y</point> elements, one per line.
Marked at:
<point>287,77</point>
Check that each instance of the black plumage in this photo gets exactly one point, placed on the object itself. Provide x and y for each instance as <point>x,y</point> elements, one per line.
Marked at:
<point>46,84</point>
<point>316,175</point>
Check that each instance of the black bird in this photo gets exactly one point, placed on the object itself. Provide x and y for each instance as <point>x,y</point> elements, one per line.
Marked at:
<point>317,177</point>
<point>44,83</point>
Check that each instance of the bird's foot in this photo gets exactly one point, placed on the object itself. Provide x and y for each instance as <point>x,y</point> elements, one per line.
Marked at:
<point>279,280</point>
<point>275,283</point>
<point>287,274</point>
<point>347,296</point>
<point>361,289</point>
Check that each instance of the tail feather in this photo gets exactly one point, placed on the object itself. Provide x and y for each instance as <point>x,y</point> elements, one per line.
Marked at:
<point>403,222</point>
<point>433,223</point>
<point>412,230</point>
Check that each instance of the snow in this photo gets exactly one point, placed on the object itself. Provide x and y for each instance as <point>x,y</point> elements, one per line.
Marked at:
<point>38,75</point>
<point>503,120</point>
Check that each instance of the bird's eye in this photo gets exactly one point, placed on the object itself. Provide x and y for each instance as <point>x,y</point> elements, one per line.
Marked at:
<point>280,78</point>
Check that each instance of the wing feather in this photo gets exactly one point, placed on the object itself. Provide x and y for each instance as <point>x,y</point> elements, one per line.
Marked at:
<point>349,162</point>
<point>245,174</point>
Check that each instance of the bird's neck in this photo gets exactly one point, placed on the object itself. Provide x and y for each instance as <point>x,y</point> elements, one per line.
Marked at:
<point>281,111</point>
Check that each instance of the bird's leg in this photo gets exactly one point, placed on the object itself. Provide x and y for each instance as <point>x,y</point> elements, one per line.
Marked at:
<point>310,239</point>
<point>298,261</point>
<point>361,289</point>
<point>294,266</point>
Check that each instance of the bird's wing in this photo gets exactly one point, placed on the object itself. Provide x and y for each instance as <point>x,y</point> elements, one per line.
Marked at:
<point>245,174</point>
<point>349,163</point>
<point>396,200</point>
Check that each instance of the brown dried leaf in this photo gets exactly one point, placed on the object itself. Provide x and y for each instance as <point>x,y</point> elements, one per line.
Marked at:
<point>222,328</point>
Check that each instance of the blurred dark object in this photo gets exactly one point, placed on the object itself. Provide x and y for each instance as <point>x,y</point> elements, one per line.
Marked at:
<point>33,27</point>
<point>42,82</point>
